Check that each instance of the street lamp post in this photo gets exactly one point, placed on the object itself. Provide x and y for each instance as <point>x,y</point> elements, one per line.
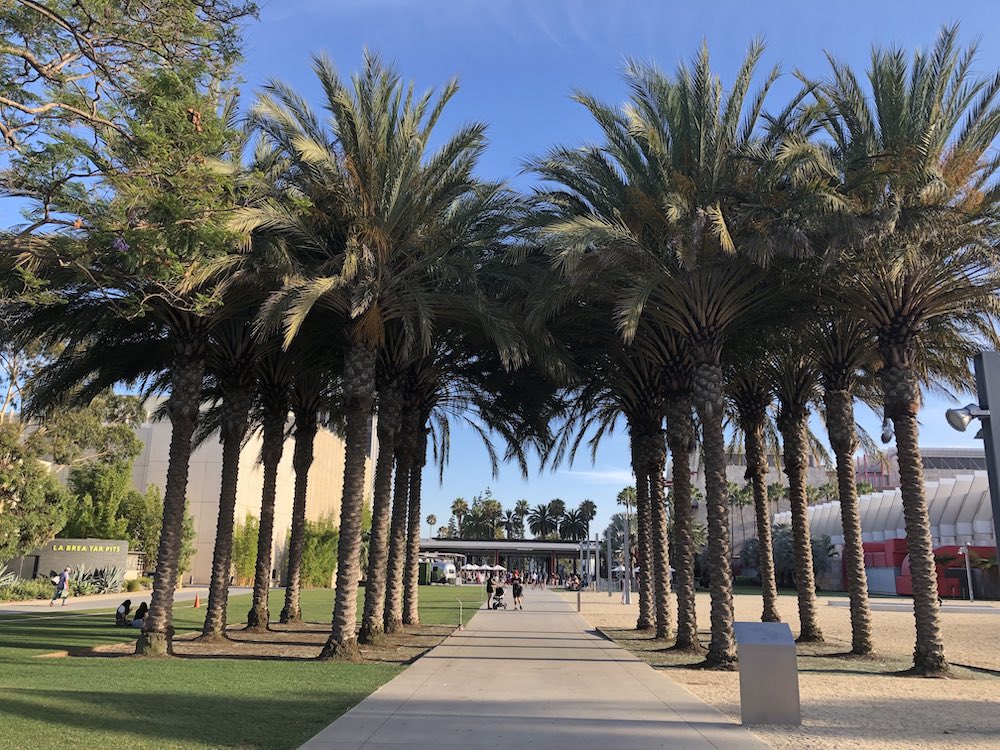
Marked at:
<point>988,388</point>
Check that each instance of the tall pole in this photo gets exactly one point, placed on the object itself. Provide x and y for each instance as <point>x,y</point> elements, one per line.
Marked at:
<point>597,564</point>
<point>988,387</point>
<point>627,562</point>
<point>607,557</point>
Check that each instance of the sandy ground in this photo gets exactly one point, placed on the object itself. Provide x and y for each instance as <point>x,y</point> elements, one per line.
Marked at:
<point>848,703</point>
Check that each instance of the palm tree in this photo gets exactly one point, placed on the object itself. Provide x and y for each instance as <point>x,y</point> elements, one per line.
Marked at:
<point>916,160</point>
<point>389,424</point>
<point>540,521</point>
<point>690,229</point>
<point>308,397</point>
<point>458,509</point>
<point>509,521</point>
<point>355,250</point>
<point>795,382</point>
<point>573,526</point>
<point>431,520</point>
<point>274,378</point>
<point>752,400</point>
<point>589,510</point>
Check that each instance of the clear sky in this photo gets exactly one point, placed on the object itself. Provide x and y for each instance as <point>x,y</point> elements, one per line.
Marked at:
<point>518,61</point>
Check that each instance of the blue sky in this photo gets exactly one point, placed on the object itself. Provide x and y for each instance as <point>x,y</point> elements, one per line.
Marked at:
<point>518,62</point>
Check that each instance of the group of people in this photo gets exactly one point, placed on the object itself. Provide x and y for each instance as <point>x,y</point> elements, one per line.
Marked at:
<point>122,618</point>
<point>495,592</point>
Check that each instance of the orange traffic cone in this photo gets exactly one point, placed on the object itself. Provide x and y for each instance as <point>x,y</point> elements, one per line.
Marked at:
<point>197,601</point>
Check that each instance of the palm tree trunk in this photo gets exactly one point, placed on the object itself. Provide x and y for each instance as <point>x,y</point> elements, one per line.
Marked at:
<point>302,459</point>
<point>393,619</point>
<point>656,459</point>
<point>359,395</point>
<point>793,426</point>
<point>187,372</point>
<point>411,581</point>
<point>843,439</point>
<point>373,619</point>
<point>709,401</point>
<point>235,422</point>
<point>753,442</point>
<point>644,558</point>
<point>680,437</point>
<point>902,401</point>
<point>274,440</point>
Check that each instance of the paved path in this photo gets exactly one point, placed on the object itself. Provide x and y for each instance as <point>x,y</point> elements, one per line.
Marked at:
<point>537,678</point>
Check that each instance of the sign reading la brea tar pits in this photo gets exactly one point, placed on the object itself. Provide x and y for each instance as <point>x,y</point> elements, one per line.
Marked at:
<point>76,545</point>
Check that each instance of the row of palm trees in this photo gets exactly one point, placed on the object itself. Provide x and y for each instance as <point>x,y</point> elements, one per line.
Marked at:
<point>706,261</point>
<point>486,519</point>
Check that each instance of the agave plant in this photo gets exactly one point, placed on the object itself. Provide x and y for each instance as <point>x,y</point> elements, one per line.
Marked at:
<point>7,577</point>
<point>109,580</point>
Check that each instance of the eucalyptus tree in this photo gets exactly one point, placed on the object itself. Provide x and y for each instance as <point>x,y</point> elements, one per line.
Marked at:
<point>915,153</point>
<point>377,198</point>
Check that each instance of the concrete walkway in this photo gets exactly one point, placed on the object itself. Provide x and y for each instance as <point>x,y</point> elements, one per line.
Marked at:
<point>537,678</point>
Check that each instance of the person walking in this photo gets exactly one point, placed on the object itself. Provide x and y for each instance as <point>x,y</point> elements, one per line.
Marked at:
<point>517,590</point>
<point>489,591</point>
<point>62,587</point>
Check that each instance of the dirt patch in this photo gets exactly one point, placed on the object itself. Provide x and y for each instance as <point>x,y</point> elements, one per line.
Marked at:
<point>298,641</point>
<point>847,703</point>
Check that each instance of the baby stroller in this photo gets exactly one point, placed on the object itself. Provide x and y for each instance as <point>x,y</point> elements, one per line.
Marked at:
<point>498,601</point>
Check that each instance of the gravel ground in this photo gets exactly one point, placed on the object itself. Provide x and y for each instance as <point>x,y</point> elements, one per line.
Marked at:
<point>848,703</point>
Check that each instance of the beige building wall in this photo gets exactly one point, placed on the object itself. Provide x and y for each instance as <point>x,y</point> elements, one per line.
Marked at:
<point>326,481</point>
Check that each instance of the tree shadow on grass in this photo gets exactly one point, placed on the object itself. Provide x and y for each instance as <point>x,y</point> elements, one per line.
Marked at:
<point>192,719</point>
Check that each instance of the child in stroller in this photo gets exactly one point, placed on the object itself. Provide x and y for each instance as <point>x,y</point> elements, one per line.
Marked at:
<point>498,601</point>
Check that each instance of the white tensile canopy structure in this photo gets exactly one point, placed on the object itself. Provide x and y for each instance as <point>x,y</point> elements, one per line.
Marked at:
<point>960,512</point>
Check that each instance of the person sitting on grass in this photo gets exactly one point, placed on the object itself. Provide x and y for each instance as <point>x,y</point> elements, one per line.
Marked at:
<point>140,615</point>
<point>121,614</point>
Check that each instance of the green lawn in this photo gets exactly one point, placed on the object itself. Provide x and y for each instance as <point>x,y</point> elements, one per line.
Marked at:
<point>100,702</point>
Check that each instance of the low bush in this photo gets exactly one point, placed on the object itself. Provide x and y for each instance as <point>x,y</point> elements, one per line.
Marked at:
<point>39,588</point>
<point>138,584</point>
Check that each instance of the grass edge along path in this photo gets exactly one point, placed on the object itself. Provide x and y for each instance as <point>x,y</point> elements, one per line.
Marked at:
<point>180,703</point>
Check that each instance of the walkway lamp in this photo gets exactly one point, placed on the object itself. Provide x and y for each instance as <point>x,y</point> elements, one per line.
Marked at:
<point>988,389</point>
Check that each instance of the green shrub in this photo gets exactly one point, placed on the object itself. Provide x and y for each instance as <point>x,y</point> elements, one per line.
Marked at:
<point>245,550</point>
<point>133,585</point>
<point>319,552</point>
<point>39,588</point>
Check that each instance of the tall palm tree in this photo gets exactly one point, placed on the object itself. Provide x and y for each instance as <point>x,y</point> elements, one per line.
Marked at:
<point>389,421</point>
<point>684,172</point>
<point>589,510</point>
<point>540,521</point>
<point>274,377</point>
<point>458,509</point>
<point>916,160</point>
<point>795,381</point>
<point>752,400</point>
<point>309,395</point>
<point>573,526</point>
<point>379,200</point>
<point>510,523</point>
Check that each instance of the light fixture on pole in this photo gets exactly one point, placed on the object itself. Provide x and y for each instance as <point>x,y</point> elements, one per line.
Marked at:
<point>960,419</point>
<point>987,366</point>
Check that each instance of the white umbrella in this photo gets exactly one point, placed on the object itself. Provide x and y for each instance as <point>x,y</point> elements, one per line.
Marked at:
<point>470,566</point>
<point>499,568</point>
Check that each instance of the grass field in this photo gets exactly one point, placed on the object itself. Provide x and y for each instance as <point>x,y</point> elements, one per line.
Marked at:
<point>95,702</point>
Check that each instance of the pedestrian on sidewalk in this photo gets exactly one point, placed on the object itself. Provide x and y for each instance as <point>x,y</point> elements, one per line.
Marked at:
<point>62,587</point>
<point>489,591</point>
<point>517,589</point>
